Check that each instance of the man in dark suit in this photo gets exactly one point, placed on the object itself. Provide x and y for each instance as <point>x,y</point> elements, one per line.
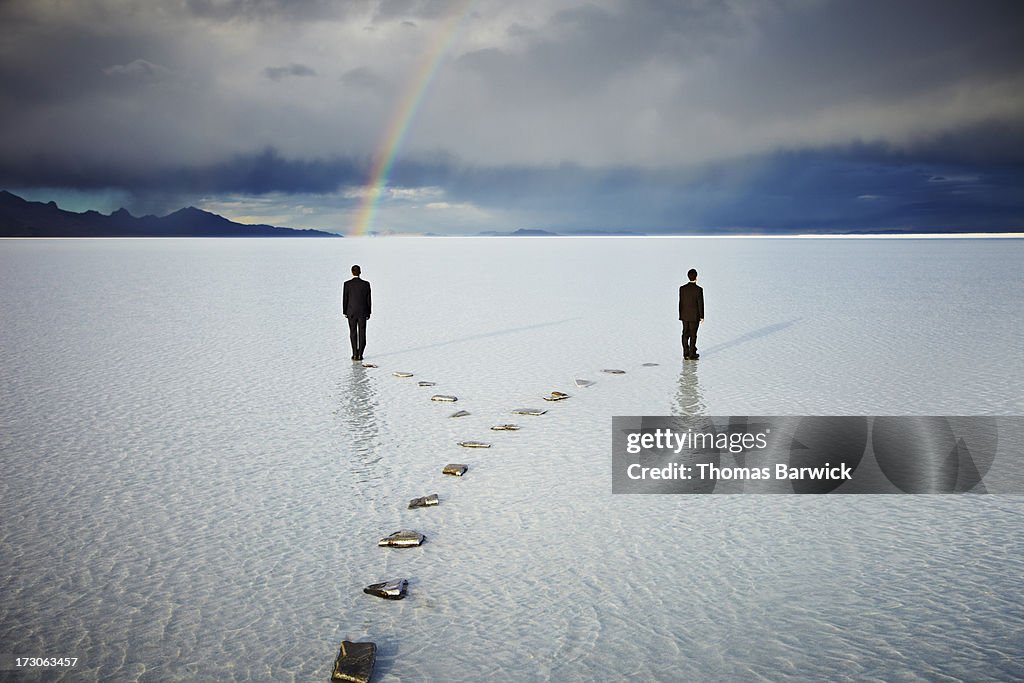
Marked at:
<point>691,312</point>
<point>355,304</point>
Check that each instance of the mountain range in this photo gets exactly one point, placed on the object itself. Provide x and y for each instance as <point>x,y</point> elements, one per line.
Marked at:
<point>22,218</point>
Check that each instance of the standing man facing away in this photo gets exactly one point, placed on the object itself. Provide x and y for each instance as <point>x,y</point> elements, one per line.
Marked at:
<point>691,312</point>
<point>355,304</point>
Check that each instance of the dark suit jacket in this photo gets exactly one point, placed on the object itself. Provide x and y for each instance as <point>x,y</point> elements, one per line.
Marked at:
<point>691,302</point>
<point>355,298</point>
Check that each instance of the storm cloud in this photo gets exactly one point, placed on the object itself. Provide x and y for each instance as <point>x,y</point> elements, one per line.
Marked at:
<point>646,115</point>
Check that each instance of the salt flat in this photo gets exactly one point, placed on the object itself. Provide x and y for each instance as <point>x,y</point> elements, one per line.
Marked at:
<point>196,475</point>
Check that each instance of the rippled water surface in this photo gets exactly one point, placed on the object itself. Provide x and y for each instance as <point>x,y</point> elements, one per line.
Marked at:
<point>196,475</point>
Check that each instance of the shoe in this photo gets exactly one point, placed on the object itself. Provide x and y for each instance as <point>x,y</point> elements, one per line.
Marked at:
<point>355,357</point>
<point>695,356</point>
<point>359,357</point>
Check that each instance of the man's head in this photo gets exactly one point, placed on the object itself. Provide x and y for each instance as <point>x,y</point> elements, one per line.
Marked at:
<point>356,270</point>
<point>692,274</point>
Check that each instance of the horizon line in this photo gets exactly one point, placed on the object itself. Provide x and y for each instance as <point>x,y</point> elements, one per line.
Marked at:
<point>923,235</point>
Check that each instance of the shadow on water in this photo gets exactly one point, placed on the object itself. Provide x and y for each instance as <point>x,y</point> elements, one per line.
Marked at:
<point>690,397</point>
<point>358,412</point>
<point>750,336</point>
<point>482,335</point>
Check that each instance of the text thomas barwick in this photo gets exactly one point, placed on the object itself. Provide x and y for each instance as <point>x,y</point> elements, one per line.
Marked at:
<point>705,470</point>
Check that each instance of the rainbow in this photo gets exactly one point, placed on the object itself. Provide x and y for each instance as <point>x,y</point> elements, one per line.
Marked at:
<point>394,134</point>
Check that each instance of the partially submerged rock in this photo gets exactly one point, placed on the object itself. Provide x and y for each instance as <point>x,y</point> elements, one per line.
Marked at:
<point>389,590</point>
<point>425,384</point>
<point>454,469</point>
<point>459,413</point>
<point>401,374</point>
<point>405,538</point>
<point>444,397</point>
<point>649,365</point>
<point>528,411</point>
<point>506,428</point>
<point>474,444</point>
<point>424,501</point>
<point>556,396</point>
<point>369,365</point>
<point>615,372</point>
<point>584,382</point>
<point>355,662</point>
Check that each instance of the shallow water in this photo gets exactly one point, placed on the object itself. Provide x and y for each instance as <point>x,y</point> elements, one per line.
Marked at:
<point>196,475</point>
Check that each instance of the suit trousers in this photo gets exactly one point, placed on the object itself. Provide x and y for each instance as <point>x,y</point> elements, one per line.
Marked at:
<point>357,334</point>
<point>690,337</point>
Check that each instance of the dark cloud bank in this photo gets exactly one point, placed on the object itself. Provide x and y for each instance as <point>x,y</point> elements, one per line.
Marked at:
<point>654,117</point>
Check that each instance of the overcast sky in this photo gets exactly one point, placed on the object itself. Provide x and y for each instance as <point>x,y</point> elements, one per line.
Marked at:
<point>679,116</point>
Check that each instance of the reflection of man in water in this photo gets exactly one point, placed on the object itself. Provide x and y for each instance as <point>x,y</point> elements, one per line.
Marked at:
<point>691,312</point>
<point>355,304</point>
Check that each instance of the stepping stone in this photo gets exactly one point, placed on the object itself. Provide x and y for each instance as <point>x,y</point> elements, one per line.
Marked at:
<point>474,444</point>
<point>460,413</point>
<point>556,396</point>
<point>649,365</point>
<point>528,411</point>
<point>584,383</point>
<point>389,590</point>
<point>355,662</point>
<point>369,365</point>
<point>426,384</point>
<point>424,502</point>
<point>402,374</point>
<point>506,428</point>
<point>615,372</point>
<point>444,397</point>
<point>454,469</point>
<point>402,539</point>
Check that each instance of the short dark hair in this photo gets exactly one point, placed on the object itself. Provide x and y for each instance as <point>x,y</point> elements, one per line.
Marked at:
<point>692,274</point>
<point>356,270</point>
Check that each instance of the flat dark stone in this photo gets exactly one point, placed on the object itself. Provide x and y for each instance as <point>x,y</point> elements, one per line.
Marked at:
<point>402,539</point>
<point>389,590</point>
<point>424,502</point>
<point>556,396</point>
<point>454,469</point>
<point>459,413</point>
<point>355,662</point>
<point>529,411</point>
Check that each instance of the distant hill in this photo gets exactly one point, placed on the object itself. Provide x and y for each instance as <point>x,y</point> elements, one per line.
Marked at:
<point>21,218</point>
<point>521,232</point>
<point>606,233</point>
<point>536,232</point>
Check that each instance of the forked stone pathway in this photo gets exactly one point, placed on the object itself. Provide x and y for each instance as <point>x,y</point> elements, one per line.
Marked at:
<point>355,661</point>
